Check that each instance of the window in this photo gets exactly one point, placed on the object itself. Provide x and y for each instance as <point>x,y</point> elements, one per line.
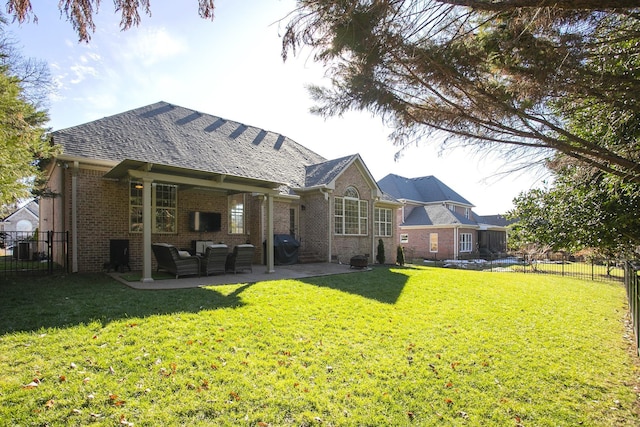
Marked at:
<point>292,222</point>
<point>351,213</point>
<point>465,242</point>
<point>467,213</point>
<point>382,222</point>
<point>452,208</point>
<point>164,205</point>
<point>433,242</point>
<point>236,214</point>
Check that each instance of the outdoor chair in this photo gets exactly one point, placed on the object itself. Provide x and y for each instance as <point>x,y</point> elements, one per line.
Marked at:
<point>169,259</point>
<point>241,258</point>
<point>214,260</point>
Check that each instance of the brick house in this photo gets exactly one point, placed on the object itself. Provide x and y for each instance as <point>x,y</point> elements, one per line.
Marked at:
<point>435,222</point>
<point>141,175</point>
<point>19,224</point>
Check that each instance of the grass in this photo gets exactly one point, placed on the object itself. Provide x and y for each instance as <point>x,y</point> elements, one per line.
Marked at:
<point>419,346</point>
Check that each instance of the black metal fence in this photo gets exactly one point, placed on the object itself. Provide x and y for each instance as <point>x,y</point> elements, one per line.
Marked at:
<point>33,253</point>
<point>632,283</point>
<point>556,263</point>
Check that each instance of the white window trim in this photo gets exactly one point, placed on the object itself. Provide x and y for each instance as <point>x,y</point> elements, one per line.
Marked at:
<point>431,237</point>
<point>154,208</point>
<point>244,215</point>
<point>465,242</point>
<point>383,225</point>
<point>363,214</point>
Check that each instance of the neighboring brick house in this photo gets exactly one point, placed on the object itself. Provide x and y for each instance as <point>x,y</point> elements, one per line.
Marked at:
<point>23,220</point>
<point>141,175</point>
<point>435,222</point>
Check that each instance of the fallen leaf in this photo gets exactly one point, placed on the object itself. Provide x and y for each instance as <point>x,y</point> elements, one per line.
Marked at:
<point>32,384</point>
<point>448,401</point>
<point>62,378</point>
<point>111,370</point>
<point>50,403</point>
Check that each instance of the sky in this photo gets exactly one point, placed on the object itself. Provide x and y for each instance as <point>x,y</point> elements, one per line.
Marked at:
<point>231,67</point>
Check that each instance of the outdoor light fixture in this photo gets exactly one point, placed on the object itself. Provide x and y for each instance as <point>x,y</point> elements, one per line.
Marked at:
<point>139,187</point>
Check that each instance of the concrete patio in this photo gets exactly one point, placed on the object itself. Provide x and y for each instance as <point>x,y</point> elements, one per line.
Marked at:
<point>259,274</point>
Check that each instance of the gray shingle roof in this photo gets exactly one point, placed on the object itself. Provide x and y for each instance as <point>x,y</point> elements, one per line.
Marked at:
<point>498,220</point>
<point>436,215</point>
<point>426,189</point>
<point>324,173</point>
<point>171,135</point>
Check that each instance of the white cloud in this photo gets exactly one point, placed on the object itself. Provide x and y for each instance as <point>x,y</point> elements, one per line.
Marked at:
<point>149,46</point>
<point>81,72</point>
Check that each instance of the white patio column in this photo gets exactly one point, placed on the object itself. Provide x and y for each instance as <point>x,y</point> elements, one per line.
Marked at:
<point>270,268</point>
<point>146,230</point>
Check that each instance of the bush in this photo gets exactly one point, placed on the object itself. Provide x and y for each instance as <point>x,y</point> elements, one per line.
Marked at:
<point>400,255</point>
<point>380,256</point>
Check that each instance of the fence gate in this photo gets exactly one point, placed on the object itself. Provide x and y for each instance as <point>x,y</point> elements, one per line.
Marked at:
<point>33,253</point>
<point>632,283</point>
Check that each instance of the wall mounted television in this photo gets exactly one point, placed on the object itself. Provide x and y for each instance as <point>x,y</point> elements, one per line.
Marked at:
<point>205,221</point>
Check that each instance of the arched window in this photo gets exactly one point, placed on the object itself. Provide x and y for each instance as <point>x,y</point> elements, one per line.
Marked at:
<point>351,213</point>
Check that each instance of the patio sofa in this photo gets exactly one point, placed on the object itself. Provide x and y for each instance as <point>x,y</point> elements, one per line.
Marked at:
<point>171,260</point>
<point>241,258</point>
<point>214,260</point>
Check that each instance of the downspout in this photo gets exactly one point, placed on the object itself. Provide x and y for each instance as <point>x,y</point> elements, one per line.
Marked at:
<point>329,228</point>
<point>74,216</point>
<point>373,231</point>
<point>455,243</point>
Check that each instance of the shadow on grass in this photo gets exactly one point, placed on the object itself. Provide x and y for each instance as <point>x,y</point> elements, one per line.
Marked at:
<point>30,303</point>
<point>381,284</point>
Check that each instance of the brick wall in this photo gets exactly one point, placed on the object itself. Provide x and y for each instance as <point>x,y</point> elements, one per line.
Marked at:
<point>103,214</point>
<point>314,226</point>
<point>418,246</point>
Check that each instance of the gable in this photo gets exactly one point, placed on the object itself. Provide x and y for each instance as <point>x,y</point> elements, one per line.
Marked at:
<point>326,174</point>
<point>28,211</point>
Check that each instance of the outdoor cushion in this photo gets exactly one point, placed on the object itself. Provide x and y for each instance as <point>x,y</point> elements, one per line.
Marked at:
<point>169,259</point>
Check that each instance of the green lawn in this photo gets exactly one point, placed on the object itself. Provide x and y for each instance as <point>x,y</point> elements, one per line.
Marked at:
<point>413,346</point>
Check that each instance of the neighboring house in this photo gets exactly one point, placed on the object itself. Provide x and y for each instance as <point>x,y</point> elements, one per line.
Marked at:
<point>20,224</point>
<point>435,222</point>
<point>141,176</point>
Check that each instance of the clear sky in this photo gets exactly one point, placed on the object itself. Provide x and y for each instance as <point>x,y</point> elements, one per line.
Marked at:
<point>231,67</point>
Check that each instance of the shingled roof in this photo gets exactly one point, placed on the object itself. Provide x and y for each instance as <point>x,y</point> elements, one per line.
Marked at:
<point>426,189</point>
<point>436,215</point>
<point>171,135</point>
